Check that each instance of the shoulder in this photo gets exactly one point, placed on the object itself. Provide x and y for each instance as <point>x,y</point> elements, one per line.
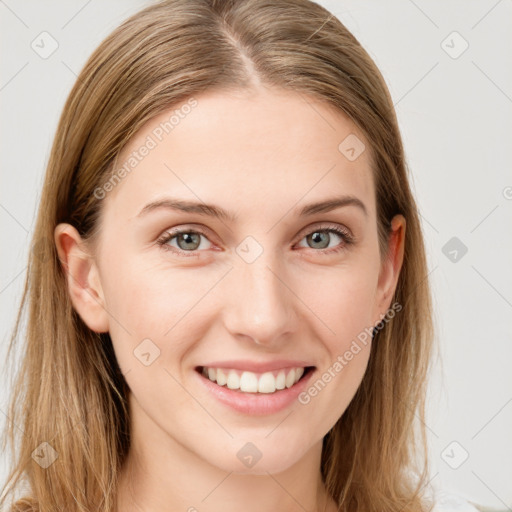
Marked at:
<point>447,501</point>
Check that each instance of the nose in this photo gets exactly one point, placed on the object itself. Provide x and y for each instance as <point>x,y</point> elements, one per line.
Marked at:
<point>260,306</point>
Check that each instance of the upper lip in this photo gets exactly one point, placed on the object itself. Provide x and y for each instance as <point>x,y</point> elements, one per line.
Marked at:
<point>253,366</point>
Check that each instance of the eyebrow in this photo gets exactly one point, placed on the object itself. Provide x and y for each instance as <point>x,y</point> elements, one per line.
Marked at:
<point>211,210</point>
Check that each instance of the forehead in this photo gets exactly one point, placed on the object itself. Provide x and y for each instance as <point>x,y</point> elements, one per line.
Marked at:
<point>248,150</point>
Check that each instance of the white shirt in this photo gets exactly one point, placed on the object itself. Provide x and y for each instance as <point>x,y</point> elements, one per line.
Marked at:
<point>446,501</point>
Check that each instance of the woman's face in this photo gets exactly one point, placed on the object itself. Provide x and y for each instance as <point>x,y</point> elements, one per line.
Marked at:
<point>265,287</point>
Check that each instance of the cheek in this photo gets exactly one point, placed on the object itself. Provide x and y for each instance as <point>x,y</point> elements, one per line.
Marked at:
<point>151,299</point>
<point>343,300</point>
<point>155,302</point>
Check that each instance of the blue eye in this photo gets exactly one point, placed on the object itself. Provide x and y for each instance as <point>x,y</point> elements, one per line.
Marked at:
<point>189,241</point>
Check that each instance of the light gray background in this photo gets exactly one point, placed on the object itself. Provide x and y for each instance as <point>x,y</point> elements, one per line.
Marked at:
<point>456,122</point>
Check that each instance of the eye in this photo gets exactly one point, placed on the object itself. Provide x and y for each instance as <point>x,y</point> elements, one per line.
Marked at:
<point>321,238</point>
<point>187,240</point>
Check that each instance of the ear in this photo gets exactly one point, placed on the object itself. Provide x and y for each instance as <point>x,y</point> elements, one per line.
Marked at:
<point>82,276</point>
<point>390,269</point>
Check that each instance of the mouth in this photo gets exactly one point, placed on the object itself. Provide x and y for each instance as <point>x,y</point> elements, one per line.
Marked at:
<point>246,382</point>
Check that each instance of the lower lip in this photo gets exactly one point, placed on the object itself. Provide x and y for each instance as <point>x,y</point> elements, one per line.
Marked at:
<point>256,403</point>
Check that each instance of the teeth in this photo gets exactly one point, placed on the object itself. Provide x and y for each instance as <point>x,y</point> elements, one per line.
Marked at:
<point>222,378</point>
<point>267,383</point>
<point>281,380</point>
<point>233,380</point>
<point>250,382</point>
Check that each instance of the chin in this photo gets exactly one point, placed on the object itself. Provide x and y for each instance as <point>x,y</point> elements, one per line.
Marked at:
<point>264,460</point>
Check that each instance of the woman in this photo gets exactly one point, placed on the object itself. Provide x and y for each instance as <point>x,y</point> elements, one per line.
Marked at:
<point>189,345</point>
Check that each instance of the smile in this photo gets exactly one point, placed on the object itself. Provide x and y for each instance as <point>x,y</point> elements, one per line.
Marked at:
<point>252,382</point>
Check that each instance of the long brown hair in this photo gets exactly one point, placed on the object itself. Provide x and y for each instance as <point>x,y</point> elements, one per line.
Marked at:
<point>69,391</point>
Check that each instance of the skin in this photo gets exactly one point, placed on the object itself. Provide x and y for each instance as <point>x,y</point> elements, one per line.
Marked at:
<point>262,155</point>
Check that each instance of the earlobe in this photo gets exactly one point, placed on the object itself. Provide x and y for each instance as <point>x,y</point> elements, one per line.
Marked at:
<point>83,281</point>
<point>390,271</point>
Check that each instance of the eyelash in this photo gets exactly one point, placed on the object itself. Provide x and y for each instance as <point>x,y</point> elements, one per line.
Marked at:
<point>347,238</point>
